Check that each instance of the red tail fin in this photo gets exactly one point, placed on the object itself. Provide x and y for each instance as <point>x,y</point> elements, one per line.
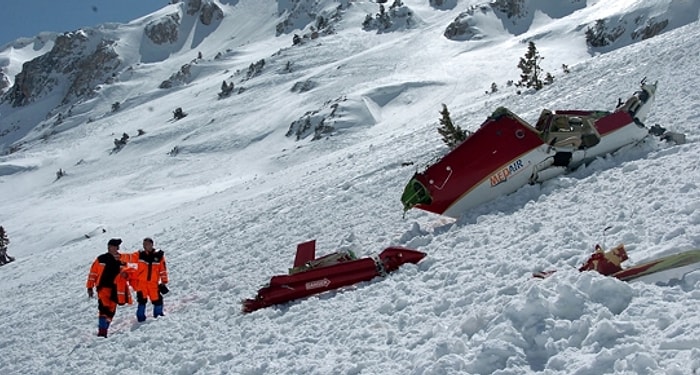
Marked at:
<point>306,251</point>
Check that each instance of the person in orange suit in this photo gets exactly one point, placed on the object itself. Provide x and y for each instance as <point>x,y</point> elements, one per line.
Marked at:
<point>152,277</point>
<point>110,275</point>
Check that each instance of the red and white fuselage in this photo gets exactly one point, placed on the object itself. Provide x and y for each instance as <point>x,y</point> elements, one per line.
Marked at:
<point>506,153</point>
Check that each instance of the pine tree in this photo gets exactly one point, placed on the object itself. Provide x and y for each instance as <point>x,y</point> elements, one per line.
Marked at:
<point>530,67</point>
<point>452,135</point>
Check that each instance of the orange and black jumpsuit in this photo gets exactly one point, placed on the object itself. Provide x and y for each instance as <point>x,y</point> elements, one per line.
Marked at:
<point>111,277</point>
<point>150,273</point>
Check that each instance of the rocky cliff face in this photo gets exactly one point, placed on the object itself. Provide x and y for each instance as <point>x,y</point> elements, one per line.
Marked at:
<point>83,58</point>
<point>300,14</point>
<point>510,8</point>
<point>602,35</point>
<point>95,68</point>
<point>208,11</point>
<point>606,33</point>
<point>466,25</point>
<point>166,29</point>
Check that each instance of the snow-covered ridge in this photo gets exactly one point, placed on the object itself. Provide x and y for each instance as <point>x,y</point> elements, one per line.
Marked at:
<point>60,76</point>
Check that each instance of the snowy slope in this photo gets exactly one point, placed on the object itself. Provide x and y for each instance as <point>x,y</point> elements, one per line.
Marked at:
<point>230,206</point>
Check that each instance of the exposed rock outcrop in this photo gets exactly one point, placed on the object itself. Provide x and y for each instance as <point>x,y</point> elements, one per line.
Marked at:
<point>177,79</point>
<point>398,17</point>
<point>298,15</point>
<point>600,35</point>
<point>164,30</point>
<point>317,123</point>
<point>84,58</point>
<point>443,4</point>
<point>511,8</point>
<point>651,29</point>
<point>606,32</point>
<point>193,6</point>
<point>465,27</point>
<point>167,29</point>
<point>210,12</point>
<point>99,67</point>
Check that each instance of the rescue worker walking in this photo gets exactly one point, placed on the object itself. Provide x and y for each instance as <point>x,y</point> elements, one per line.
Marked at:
<point>110,274</point>
<point>152,277</point>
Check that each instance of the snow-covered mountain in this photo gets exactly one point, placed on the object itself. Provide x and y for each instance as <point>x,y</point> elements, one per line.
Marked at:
<point>60,74</point>
<point>334,106</point>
